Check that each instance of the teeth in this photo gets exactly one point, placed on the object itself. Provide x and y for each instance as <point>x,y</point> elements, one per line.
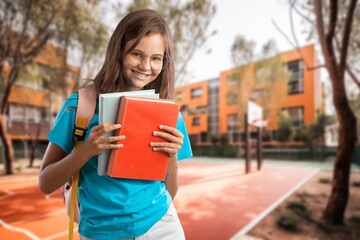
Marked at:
<point>139,74</point>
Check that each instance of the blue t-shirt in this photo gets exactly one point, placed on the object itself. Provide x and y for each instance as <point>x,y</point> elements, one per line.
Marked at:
<point>113,208</point>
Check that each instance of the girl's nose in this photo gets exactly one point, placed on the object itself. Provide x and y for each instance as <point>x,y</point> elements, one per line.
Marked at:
<point>145,63</point>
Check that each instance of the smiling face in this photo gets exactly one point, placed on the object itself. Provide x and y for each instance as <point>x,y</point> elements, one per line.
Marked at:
<point>138,64</point>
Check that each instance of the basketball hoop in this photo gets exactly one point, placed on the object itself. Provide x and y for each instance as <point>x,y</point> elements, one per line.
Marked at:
<point>260,122</point>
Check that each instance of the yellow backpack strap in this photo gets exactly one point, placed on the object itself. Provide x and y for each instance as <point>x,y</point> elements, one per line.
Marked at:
<point>84,113</point>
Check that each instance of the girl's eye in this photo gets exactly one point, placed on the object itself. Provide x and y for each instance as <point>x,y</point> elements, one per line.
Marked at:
<point>136,54</point>
<point>157,59</point>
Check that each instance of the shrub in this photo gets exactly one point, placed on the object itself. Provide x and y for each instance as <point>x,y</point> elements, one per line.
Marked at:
<point>324,180</point>
<point>299,208</point>
<point>288,222</point>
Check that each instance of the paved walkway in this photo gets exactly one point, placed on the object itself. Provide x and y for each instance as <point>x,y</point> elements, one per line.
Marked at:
<point>216,200</point>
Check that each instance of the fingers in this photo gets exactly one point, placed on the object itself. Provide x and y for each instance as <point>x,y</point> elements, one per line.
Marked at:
<point>174,140</point>
<point>103,128</point>
<point>97,142</point>
<point>171,130</point>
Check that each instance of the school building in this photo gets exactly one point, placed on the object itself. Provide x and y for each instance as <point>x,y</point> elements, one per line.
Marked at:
<point>209,110</point>
<point>33,104</point>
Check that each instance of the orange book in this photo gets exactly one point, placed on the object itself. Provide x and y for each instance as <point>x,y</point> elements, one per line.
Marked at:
<point>139,118</point>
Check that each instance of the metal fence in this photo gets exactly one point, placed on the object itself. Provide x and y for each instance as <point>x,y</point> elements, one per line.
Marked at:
<point>298,153</point>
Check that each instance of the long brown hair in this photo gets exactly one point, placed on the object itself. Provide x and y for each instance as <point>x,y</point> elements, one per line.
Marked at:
<point>136,25</point>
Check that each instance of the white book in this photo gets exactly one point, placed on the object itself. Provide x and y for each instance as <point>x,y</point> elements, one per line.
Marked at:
<point>108,111</point>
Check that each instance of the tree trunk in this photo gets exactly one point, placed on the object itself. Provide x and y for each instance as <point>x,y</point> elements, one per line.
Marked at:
<point>335,209</point>
<point>8,147</point>
<point>34,143</point>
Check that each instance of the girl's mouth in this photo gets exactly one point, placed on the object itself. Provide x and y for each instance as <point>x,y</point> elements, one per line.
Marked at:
<point>140,74</point>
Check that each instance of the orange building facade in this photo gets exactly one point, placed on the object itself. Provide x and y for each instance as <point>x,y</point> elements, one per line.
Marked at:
<point>32,106</point>
<point>211,108</point>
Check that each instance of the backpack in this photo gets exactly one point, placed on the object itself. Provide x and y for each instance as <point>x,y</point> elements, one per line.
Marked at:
<point>84,113</point>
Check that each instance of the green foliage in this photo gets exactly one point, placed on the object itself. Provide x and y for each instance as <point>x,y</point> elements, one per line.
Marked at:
<point>262,77</point>
<point>214,139</point>
<point>224,140</point>
<point>285,129</point>
<point>324,225</point>
<point>354,101</point>
<point>325,180</point>
<point>300,208</point>
<point>288,222</point>
<point>215,151</point>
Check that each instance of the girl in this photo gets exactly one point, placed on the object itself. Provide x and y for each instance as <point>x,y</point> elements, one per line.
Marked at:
<point>139,56</point>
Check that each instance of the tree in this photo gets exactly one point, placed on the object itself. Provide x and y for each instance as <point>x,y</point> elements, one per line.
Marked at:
<point>188,21</point>
<point>260,77</point>
<point>78,27</point>
<point>333,23</point>
<point>285,129</point>
<point>355,106</point>
<point>26,27</point>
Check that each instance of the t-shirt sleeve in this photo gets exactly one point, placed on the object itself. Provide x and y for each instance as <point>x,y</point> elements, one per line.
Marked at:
<point>185,150</point>
<point>62,131</point>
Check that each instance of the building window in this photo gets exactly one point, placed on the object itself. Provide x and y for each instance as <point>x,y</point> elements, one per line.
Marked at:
<point>257,95</point>
<point>296,81</point>
<point>196,121</point>
<point>232,80</point>
<point>231,98</point>
<point>296,115</point>
<point>178,96</point>
<point>233,123</point>
<point>196,93</point>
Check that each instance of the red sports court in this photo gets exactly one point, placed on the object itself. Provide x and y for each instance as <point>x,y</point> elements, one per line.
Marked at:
<point>216,200</point>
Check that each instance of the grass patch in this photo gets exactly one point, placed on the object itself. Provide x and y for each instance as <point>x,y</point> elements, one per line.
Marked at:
<point>299,208</point>
<point>325,226</point>
<point>288,222</point>
<point>325,180</point>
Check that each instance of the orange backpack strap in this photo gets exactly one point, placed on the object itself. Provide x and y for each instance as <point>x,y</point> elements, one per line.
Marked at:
<point>84,113</point>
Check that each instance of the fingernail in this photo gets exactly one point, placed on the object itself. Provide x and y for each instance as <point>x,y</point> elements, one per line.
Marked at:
<point>117,125</point>
<point>152,144</point>
<point>161,126</point>
<point>155,133</point>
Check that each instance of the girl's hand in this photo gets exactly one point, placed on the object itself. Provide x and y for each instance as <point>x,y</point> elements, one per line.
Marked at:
<point>96,142</point>
<point>174,140</point>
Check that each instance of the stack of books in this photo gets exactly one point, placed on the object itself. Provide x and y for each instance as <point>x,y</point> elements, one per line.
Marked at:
<point>140,113</point>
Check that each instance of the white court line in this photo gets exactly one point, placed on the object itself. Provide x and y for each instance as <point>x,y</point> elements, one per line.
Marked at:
<point>239,235</point>
<point>21,230</point>
<point>61,211</point>
<point>8,194</point>
<point>19,179</point>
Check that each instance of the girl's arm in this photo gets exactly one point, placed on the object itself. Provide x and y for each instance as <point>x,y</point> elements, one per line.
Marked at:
<point>57,167</point>
<point>174,142</point>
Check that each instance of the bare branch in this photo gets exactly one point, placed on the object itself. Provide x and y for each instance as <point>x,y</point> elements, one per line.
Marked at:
<point>43,29</point>
<point>346,36</point>
<point>293,6</point>
<point>325,44</point>
<point>296,46</point>
<point>332,21</point>
<point>23,32</point>
<point>352,75</point>
<point>283,34</point>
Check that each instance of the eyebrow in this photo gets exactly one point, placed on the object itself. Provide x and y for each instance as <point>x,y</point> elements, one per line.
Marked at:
<point>156,54</point>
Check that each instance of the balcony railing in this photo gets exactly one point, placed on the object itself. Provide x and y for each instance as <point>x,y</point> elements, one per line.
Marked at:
<point>27,129</point>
